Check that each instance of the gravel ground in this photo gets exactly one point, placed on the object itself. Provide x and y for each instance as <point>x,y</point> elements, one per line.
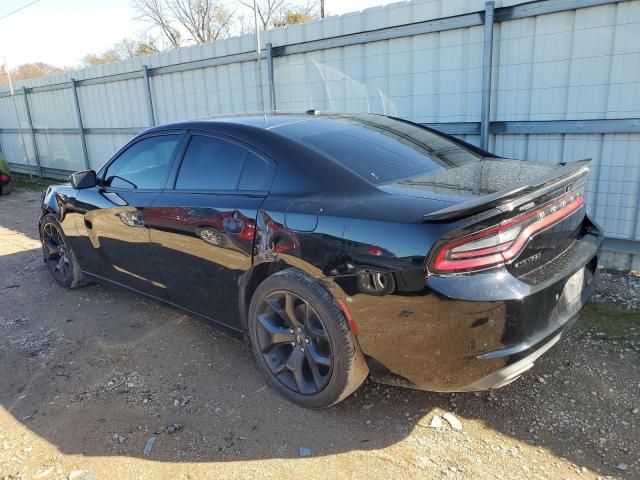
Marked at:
<point>97,383</point>
<point>620,289</point>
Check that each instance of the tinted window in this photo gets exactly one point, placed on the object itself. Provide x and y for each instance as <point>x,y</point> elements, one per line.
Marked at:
<point>145,164</point>
<point>379,149</point>
<point>255,174</point>
<point>214,164</point>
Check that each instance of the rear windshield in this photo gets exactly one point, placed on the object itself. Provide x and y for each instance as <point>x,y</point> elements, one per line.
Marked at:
<point>379,149</point>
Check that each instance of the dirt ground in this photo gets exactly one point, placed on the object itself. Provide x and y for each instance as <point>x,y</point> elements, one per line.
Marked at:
<point>88,377</point>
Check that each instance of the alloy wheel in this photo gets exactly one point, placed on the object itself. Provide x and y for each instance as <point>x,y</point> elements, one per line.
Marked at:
<point>56,252</point>
<point>294,343</point>
<point>374,281</point>
<point>210,236</point>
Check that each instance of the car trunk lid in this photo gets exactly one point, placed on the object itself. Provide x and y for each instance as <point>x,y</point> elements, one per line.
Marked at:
<point>489,183</point>
<point>528,213</point>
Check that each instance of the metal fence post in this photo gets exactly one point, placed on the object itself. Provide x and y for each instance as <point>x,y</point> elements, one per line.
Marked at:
<point>32,131</point>
<point>272,83</point>
<point>83,140</point>
<point>147,94</point>
<point>485,113</point>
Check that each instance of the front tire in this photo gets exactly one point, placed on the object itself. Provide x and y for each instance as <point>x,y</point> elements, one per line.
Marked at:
<point>58,256</point>
<point>302,342</point>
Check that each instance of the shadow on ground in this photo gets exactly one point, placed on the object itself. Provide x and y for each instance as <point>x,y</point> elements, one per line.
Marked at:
<point>98,371</point>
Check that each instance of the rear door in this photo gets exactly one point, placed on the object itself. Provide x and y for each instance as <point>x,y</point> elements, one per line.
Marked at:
<point>202,227</point>
<point>113,238</point>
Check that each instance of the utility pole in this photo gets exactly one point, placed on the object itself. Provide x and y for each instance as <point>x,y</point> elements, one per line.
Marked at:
<point>6,69</point>
<point>259,62</point>
<point>255,18</point>
<point>321,8</point>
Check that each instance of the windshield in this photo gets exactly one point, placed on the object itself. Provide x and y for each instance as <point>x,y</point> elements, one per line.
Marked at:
<point>379,149</point>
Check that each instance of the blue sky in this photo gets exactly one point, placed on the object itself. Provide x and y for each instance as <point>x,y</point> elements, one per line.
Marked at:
<point>61,32</point>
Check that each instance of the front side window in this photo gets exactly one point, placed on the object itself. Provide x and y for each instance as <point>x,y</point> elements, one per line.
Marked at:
<point>214,164</point>
<point>144,165</point>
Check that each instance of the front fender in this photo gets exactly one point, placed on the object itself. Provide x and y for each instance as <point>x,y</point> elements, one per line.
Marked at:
<point>59,200</point>
<point>56,198</point>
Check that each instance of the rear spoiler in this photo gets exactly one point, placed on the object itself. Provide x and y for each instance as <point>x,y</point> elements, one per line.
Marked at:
<point>566,173</point>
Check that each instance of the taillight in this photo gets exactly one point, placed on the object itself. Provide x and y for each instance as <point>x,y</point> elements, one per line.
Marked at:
<point>498,245</point>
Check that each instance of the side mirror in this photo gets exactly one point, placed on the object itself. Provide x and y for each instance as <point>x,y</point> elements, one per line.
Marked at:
<point>84,179</point>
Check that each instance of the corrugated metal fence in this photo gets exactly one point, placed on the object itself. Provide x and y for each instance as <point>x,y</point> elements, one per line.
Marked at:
<point>564,84</point>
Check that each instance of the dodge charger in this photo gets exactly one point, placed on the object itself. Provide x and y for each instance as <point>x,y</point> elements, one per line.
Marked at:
<point>338,246</point>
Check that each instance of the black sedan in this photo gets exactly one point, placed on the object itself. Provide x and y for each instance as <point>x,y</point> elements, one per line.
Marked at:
<point>338,246</point>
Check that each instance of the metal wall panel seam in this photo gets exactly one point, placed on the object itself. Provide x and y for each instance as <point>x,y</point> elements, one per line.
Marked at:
<point>399,31</point>
<point>31,130</point>
<point>545,7</point>
<point>272,85</point>
<point>487,67</point>
<point>147,94</point>
<point>83,141</point>
<point>207,62</point>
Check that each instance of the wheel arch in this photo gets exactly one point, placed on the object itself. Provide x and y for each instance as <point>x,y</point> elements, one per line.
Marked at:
<point>260,272</point>
<point>249,283</point>
<point>52,203</point>
<point>268,261</point>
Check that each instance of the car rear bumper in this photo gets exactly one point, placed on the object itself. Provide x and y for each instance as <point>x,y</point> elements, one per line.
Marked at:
<point>473,332</point>
<point>526,356</point>
<point>508,374</point>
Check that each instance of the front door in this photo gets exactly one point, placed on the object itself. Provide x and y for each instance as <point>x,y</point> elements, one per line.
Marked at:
<point>202,231</point>
<point>113,237</point>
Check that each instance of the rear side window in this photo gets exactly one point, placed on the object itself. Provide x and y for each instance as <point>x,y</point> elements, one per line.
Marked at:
<point>145,164</point>
<point>379,149</point>
<point>214,164</point>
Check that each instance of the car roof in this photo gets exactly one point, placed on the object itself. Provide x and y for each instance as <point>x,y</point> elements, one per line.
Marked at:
<point>265,121</point>
<point>268,122</point>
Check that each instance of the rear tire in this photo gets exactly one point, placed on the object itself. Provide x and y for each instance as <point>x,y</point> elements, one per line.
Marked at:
<point>58,255</point>
<point>302,343</point>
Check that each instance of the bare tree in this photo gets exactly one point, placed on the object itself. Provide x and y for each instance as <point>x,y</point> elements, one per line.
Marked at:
<point>267,11</point>
<point>136,47</point>
<point>203,20</point>
<point>297,14</point>
<point>157,13</point>
<point>243,24</point>
<point>278,13</point>
<point>312,9</point>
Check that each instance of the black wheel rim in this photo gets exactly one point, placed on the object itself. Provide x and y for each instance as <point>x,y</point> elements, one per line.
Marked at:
<point>56,252</point>
<point>294,343</point>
